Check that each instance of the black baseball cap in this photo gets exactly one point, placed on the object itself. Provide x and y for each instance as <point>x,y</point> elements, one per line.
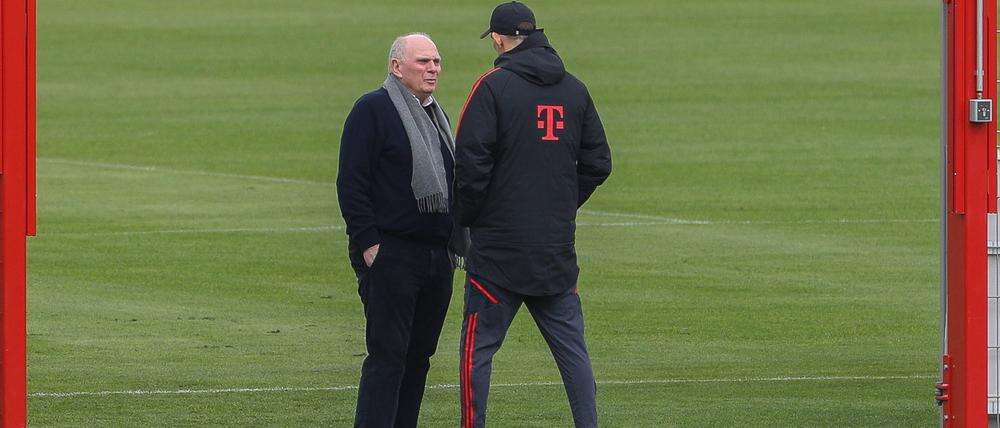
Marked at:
<point>511,19</point>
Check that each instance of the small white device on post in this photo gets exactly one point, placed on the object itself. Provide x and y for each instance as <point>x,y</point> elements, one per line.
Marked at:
<point>981,110</point>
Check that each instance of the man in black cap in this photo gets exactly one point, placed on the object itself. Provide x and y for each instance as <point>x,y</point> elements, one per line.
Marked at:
<point>530,150</point>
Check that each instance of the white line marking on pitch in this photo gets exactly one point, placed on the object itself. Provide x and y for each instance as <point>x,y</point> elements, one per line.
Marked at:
<point>279,230</point>
<point>834,221</point>
<point>185,172</point>
<point>500,385</point>
<point>671,220</point>
<point>636,223</point>
<point>191,231</point>
<point>341,227</point>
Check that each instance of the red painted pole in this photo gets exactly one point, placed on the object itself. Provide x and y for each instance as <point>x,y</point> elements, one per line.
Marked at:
<point>970,193</point>
<point>17,99</point>
<point>31,116</point>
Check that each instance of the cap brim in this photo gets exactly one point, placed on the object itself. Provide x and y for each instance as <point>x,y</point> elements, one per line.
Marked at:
<point>486,33</point>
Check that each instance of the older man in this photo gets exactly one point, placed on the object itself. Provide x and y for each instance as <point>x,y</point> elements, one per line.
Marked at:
<point>394,187</point>
<point>531,150</point>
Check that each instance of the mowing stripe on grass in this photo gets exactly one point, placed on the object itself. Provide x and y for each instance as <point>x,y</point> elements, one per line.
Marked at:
<point>309,229</point>
<point>500,385</point>
<point>654,220</point>
<point>312,229</point>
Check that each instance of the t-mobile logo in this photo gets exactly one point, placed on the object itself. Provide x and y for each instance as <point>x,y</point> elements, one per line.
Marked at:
<point>548,121</point>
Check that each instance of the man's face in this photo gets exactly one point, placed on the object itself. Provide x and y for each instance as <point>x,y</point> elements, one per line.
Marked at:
<point>420,66</point>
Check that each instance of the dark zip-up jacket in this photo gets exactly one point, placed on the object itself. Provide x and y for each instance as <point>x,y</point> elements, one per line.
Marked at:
<point>529,152</point>
<point>373,182</point>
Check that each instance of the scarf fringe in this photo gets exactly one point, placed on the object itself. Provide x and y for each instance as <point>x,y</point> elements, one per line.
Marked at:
<point>436,203</point>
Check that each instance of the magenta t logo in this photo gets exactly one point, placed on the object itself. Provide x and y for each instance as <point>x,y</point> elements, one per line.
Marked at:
<point>548,121</point>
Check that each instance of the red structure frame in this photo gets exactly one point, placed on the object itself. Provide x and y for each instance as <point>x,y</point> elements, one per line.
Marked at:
<point>17,199</point>
<point>969,193</point>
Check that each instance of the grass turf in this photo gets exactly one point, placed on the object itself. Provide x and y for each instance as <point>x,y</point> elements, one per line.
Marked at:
<point>771,119</point>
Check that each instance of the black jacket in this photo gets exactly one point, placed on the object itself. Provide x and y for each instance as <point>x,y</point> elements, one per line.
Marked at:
<point>373,182</point>
<point>530,150</point>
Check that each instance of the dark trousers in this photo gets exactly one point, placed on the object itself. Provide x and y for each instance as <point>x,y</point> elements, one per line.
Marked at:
<point>489,311</point>
<point>405,294</point>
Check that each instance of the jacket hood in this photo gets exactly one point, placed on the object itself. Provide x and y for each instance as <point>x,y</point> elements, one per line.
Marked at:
<point>534,60</point>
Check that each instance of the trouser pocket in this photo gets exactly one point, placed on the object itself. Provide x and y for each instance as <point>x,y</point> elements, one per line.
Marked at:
<point>354,255</point>
<point>480,295</point>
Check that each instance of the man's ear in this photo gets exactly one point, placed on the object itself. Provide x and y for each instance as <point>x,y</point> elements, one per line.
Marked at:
<point>394,68</point>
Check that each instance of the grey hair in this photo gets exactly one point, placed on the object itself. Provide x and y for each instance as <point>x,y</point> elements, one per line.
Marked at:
<point>513,40</point>
<point>398,49</point>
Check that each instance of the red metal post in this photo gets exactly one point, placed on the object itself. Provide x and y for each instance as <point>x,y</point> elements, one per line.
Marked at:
<point>990,84</point>
<point>17,100</point>
<point>30,111</point>
<point>970,193</point>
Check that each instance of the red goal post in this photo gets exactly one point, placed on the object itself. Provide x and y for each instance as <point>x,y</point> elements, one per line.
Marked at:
<point>17,199</point>
<point>968,196</point>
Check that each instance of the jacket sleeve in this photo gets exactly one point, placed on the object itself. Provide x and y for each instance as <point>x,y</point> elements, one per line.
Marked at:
<point>475,145</point>
<point>354,176</point>
<point>594,163</point>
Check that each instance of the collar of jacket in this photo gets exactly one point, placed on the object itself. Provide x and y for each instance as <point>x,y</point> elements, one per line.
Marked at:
<point>534,40</point>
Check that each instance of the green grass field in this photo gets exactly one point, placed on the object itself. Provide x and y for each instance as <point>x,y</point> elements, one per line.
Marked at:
<point>764,254</point>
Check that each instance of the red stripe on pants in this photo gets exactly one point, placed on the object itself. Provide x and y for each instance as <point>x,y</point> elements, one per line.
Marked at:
<point>470,346</point>
<point>461,372</point>
<point>484,292</point>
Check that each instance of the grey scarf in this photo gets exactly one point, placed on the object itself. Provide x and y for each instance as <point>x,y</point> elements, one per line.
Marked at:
<point>430,182</point>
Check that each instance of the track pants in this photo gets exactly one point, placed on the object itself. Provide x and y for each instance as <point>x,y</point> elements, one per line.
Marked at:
<point>405,293</point>
<point>489,311</point>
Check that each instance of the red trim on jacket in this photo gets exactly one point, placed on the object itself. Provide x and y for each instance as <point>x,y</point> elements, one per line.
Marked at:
<point>469,98</point>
